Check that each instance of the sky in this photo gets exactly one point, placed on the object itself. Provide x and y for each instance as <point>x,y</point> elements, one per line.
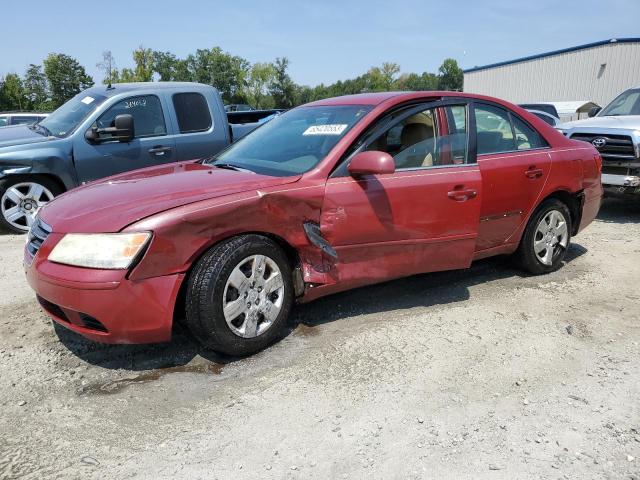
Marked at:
<point>325,41</point>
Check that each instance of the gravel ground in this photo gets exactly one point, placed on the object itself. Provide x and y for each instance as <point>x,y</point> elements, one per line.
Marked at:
<point>482,373</point>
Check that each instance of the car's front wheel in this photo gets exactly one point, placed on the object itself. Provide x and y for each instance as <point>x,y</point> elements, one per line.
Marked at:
<point>20,200</point>
<point>546,238</point>
<point>239,295</point>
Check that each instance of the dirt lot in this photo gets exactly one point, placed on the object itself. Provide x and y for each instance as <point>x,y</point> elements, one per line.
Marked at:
<point>484,373</point>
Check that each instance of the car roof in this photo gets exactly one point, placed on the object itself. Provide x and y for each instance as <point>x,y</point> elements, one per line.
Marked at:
<point>378,98</point>
<point>117,88</point>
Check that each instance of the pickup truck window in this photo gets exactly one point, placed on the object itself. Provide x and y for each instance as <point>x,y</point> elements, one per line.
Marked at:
<point>192,112</point>
<point>66,119</point>
<point>294,142</point>
<point>148,119</point>
<point>627,103</point>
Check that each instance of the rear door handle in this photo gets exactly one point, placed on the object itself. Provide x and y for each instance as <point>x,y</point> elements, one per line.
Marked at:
<point>534,172</point>
<point>462,194</point>
<point>159,150</point>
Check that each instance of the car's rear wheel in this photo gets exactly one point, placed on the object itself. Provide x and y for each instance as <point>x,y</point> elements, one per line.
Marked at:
<point>546,238</point>
<point>239,295</point>
<point>20,200</point>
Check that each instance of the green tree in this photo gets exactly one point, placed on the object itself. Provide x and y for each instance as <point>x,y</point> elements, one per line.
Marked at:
<point>65,76</point>
<point>35,88</point>
<point>282,88</point>
<point>181,72</point>
<point>260,77</point>
<point>380,79</point>
<point>414,82</point>
<point>451,76</point>
<point>165,65</point>
<point>143,58</point>
<point>228,73</point>
<point>12,93</point>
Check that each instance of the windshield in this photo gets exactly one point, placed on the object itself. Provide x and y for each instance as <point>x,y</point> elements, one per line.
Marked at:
<point>628,103</point>
<point>66,119</point>
<point>294,142</point>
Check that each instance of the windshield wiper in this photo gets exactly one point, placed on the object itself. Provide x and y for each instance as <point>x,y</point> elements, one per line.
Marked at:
<point>40,129</point>
<point>230,166</point>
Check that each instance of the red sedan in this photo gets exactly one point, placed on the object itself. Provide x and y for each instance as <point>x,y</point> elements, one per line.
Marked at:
<point>329,196</point>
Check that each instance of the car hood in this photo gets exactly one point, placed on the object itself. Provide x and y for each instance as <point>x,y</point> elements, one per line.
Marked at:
<point>628,121</point>
<point>113,203</point>
<point>20,135</point>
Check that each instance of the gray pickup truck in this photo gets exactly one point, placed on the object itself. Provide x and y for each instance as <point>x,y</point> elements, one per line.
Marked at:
<point>108,130</point>
<point>615,132</point>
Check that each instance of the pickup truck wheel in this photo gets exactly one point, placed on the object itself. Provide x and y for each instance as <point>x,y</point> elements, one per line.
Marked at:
<point>239,295</point>
<point>20,200</point>
<point>546,238</point>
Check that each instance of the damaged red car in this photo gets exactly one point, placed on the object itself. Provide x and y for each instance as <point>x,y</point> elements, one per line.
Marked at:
<point>329,196</point>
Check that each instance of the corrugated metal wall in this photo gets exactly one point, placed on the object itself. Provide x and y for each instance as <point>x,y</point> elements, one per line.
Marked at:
<point>577,75</point>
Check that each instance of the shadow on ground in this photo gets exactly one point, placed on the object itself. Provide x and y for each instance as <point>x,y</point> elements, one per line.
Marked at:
<point>417,291</point>
<point>424,290</point>
<point>620,210</point>
<point>180,351</point>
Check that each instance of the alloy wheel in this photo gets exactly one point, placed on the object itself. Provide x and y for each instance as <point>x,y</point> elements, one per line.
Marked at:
<point>21,202</point>
<point>551,237</point>
<point>253,296</point>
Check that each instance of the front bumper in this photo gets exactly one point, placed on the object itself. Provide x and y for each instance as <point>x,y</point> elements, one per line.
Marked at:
<point>111,309</point>
<point>621,184</point>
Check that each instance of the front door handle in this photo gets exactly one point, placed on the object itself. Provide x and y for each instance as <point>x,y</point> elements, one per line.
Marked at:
<point>462,194</point>
<point>533,172</point>
<point>159,150</point>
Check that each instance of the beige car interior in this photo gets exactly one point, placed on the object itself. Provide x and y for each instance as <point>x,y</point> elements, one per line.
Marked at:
<point>416,131</point>
<point>417,141</point>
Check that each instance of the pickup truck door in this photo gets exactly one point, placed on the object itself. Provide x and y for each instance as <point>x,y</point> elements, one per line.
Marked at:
<point>515,163</point>
<point>422,218</point>
<point>153,143</point>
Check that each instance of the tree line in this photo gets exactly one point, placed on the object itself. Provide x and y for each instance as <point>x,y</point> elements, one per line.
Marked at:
<point>261,85</point>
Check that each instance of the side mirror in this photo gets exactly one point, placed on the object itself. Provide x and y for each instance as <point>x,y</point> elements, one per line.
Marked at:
<point>371,163</point>
<point>125,131</point>
<point>593,111</point>
<point>122,131</point>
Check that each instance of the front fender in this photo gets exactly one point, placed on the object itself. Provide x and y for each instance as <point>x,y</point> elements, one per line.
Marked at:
<point>182,234</point>
<point>48,161</point>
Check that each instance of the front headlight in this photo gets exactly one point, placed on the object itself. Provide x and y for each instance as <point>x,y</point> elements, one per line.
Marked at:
<point>99,250</point>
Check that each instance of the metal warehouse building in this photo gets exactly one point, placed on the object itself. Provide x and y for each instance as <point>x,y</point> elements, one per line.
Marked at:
<point>595,72</point>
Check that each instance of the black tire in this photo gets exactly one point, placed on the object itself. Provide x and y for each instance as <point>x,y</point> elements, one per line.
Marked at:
<point>8,182</point>
<point>205,289</point>
<point>525,256</point>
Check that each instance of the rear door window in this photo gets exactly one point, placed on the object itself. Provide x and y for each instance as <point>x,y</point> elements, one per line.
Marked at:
<point>494,130</point>
<point>526,137</point>
<point>192,112</point>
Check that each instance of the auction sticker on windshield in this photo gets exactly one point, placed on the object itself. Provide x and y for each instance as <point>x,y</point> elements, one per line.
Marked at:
<point>335,129</point>
<point>87,100</point>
